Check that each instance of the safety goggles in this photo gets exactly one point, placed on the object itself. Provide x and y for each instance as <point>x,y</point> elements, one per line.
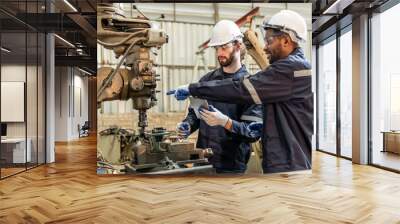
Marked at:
<point>224,46</point>
<point>270,38</point>
<point>282,29</point>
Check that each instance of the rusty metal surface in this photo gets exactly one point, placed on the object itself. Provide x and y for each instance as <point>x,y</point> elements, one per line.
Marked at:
<point>132,40</point>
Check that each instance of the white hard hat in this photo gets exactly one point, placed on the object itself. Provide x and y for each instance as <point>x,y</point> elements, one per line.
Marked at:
<point>225,31</point>
<point>289,22</point>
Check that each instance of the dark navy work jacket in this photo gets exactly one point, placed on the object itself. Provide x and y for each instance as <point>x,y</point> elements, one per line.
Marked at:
<point>284,91</point>
<point>231,149</point>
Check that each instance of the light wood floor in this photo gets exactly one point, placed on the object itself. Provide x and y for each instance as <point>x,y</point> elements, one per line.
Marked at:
<point>69,191</point>
<point>9,171</point>
<point>5,172</point>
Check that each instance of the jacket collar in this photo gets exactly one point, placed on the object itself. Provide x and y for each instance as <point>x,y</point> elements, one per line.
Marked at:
<point>237,74</point>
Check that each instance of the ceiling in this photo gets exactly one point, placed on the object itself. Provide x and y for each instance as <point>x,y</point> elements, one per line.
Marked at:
<point>75,22</point>
<point>21,21</point>
<point>329,16</point>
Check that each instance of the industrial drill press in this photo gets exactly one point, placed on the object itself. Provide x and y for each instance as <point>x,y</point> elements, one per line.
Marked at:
<point>134,42</point>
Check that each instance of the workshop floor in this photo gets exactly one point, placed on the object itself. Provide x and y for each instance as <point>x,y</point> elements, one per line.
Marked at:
<point>69,191</point>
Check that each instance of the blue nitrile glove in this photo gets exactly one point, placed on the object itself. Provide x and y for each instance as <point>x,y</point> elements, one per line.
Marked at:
<point>213,117</point>
<point>255,129</point>
<point>183,129</point>
<point>180,93</point>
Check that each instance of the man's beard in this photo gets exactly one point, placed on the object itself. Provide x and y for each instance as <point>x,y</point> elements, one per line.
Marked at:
<point>228,61</point>
<point>273,57</point>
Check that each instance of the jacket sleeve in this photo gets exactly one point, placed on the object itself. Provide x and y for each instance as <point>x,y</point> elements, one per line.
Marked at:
<point>268,86</point>
<point>252,113</point>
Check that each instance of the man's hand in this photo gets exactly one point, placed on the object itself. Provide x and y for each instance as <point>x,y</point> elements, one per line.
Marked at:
<point>255,129</point>
<point>213,116</point>
<point>180,93</point>
<point>183,129</point>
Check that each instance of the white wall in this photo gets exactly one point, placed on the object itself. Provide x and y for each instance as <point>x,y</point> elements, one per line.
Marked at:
<point>33,126</point>
<point>80,108</point>
<point>12,73</point>
<point>71,102</point>
<point>61,103</point>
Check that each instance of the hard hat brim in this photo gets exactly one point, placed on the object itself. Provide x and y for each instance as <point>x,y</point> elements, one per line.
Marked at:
<point>285,30</point>
<point>214,44</point>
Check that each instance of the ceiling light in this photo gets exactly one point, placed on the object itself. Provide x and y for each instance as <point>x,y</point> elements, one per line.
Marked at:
<point>70,5</point>
<point>333,6</point>
<point>86,72</point>
<point>5,49</point>
<point>65,41</point>
<point>337,7</point>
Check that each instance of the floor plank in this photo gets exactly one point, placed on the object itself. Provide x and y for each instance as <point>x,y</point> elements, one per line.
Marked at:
<point>69,191</point>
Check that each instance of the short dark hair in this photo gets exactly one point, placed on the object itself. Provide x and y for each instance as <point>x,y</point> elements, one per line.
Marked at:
<point>280,34</point>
